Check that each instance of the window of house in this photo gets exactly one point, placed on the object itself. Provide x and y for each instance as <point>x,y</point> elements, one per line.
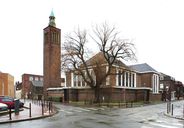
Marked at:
<point>31,78</point>
<point>41,79</point>
<point>36,78</point>
<point>161,86</point>
<point>161,77</point>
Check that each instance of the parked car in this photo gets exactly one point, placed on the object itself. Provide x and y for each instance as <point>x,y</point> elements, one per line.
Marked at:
<point>10,102</point>
<point>3,107</point>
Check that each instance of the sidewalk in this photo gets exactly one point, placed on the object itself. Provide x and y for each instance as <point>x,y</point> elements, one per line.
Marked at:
<point>36,113</point>
<point>178,110</point>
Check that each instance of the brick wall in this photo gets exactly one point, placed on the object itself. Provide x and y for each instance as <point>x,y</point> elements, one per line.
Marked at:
<point>52,57</point>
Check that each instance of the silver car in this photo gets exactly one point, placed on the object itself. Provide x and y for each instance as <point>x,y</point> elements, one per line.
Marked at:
<point>3,107</point>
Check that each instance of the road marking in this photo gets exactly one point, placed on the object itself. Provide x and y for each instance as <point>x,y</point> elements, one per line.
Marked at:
<point>162,125</point>
<point>84,109</point>
<point>101,109</point>
<point>65,111</point>
<point>93,109</point>
<point>76,110</point>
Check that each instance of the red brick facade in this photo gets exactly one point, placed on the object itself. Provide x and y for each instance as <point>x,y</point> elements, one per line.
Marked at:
<point>132,86</point>
<point>52,56</point>
<point>26,83</point>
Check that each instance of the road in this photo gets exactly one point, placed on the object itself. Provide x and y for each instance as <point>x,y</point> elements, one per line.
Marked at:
<point>80,117</point>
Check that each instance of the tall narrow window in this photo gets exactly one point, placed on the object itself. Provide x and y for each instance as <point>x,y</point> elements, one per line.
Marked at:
<point>155,83</point>
<point>74,80</point>
<point>130,79</point>
<point>133,80</point>
<point>119,78</point>
<point>122,79</point>
<point>46,37</point>
<point>127,79</point>
<point>79,80</point>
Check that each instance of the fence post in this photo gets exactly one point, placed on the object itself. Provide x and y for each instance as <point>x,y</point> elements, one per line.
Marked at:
<point>167,107</point>
<point>49,107</point>
<point>183,110</point>
<point>29,109</point>
<point>42,109</point>
<point>172,110</point>
<point>10,114</point>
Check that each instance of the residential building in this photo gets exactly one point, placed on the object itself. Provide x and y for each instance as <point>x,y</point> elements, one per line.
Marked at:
<point>7,85</point>
<point>27,80</point>
<point>170,88</point>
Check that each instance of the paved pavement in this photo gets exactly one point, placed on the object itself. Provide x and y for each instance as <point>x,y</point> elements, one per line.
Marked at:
<point>24,114</point>
<point>177,112</point>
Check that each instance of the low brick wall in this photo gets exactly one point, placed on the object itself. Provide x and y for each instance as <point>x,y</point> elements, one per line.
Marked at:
<point>114,95</point>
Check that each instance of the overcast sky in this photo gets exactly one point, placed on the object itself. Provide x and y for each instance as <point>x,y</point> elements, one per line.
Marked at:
<point>156,26</point>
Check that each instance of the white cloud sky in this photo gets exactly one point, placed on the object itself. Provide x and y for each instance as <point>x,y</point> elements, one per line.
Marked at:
<point>156,26</point>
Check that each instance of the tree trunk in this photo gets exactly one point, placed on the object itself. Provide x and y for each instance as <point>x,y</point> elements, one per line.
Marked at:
<point>97,94</point>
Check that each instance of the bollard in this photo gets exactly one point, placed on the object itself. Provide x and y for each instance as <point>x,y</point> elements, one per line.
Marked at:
<point>172,110</point>
<point>10,114</point>
<point>49,107</point>
<point>42,109</point>
<point>167,108</point>
<point>29,109</point>
<point>183,111</point>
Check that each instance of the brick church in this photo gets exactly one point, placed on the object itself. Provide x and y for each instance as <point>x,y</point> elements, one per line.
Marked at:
<point>130,85</point>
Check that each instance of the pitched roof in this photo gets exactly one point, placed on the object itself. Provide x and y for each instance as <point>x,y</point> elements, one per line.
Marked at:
<point>37,83</point>
<point>143,68</point>
<point>99,58</point>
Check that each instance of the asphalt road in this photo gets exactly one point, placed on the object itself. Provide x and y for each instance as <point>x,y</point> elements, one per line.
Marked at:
<point>79,117</point>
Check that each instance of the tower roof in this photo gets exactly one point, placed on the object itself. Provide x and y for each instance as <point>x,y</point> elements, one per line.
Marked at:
<point>52,19</point>
<point>52,14</point>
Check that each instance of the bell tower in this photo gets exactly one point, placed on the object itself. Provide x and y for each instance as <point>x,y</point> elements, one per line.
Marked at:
<point>51,55</point>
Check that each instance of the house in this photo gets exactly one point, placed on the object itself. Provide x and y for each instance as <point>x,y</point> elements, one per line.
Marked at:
<point>170,88</point>
<point>27,84</point>
<point>32,86</point>
<point>36,89</point>
<point>7,84</point>
<point>179,88</point>
<point>125,83</point>
<point>18,90</point>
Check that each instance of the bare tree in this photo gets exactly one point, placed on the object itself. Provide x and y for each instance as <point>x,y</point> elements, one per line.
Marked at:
<point>111,47</point>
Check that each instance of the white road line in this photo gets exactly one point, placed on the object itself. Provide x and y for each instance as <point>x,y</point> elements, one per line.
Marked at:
<point>76,110</point>
<point>101,109</point>
<point>65,111</point>
<point>84,109</point>
<point>93,109</point>
<point>162,125</point>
